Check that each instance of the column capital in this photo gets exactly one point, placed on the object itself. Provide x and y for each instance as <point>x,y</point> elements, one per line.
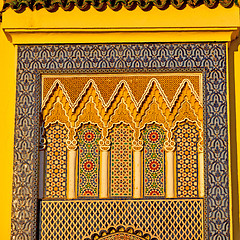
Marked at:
<point>42,143</point>
<point>137,145</point>
<point>104,144</point>
<point>169,146</point>
<point>71,144</point>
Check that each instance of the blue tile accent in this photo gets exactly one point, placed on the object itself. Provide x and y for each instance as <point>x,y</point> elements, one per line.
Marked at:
<point>33,60</point>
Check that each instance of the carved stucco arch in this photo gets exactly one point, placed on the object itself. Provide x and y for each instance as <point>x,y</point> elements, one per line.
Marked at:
<point>121,233</point>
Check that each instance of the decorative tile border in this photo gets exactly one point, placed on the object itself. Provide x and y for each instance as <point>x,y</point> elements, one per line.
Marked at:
<point>209,58</point>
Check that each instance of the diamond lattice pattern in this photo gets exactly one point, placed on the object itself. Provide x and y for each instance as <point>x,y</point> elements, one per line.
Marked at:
<point>162,219</point>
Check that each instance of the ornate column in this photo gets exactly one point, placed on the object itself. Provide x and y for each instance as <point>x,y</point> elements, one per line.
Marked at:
<point>170,172</point>
<point>103,178</point>
<point>201,172</point>
<point>42,153</point>
<point>71,176</point>
<point>137,170</point>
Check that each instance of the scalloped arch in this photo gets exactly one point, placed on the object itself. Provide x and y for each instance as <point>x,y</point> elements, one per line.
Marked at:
<point>117,233</point>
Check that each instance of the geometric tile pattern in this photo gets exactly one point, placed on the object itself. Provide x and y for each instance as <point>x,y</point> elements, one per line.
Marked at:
<point>35,60</point>
<point>153,138</point>
<point>186,139</point>
<point>161,219</point>
<point>88,137</point>
<point>121,160</point>
<point>56,162</point>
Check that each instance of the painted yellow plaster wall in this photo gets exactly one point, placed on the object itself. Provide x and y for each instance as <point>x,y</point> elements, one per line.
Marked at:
<point>88,23</point>
<point>93,26</point>
<point>234,93</point>
<point>237,89</point>
<point>7,105</point>
<point>92,19</point>
<point>234,132</point>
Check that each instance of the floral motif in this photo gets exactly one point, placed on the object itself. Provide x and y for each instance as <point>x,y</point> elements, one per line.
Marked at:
<point>153,137</point>
<point>88,160</point>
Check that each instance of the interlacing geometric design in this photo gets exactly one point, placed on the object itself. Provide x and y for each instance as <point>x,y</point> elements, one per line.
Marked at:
<point>153,138</point>
<point>161,219</point>
<point>207,58</point>
<point>56,161</point>
<point>88,137</point>
<point>121,160</point>
<point>186,138</point>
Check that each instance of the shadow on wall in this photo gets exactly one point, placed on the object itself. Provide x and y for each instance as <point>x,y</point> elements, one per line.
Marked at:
<point>234,50</point>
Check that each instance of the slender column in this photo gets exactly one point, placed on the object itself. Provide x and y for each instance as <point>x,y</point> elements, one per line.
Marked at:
<point>170,175</point>
<point>41,172</point>
<point>103,193</point>
<point>42,156</point>
<point>136,174</point>
<point>72,153</point>
<point>201,174</point>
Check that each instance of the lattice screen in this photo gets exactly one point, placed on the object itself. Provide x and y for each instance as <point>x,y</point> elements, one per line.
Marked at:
<point>162,219</point>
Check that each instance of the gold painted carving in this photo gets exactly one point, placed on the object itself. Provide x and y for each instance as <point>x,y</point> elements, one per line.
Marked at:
<point>74,86</point>
<point>57,113</point>
<point>185,112</point>
<point>154,106</point>
<point>121,114</point>
<point>90,114</point>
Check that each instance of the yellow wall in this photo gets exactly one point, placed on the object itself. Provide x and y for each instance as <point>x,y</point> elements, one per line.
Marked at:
<point>237,90</point>
<point>234,131</point>
<point>200,24</point>
<point>93,19</point>
<point>7,104</point>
